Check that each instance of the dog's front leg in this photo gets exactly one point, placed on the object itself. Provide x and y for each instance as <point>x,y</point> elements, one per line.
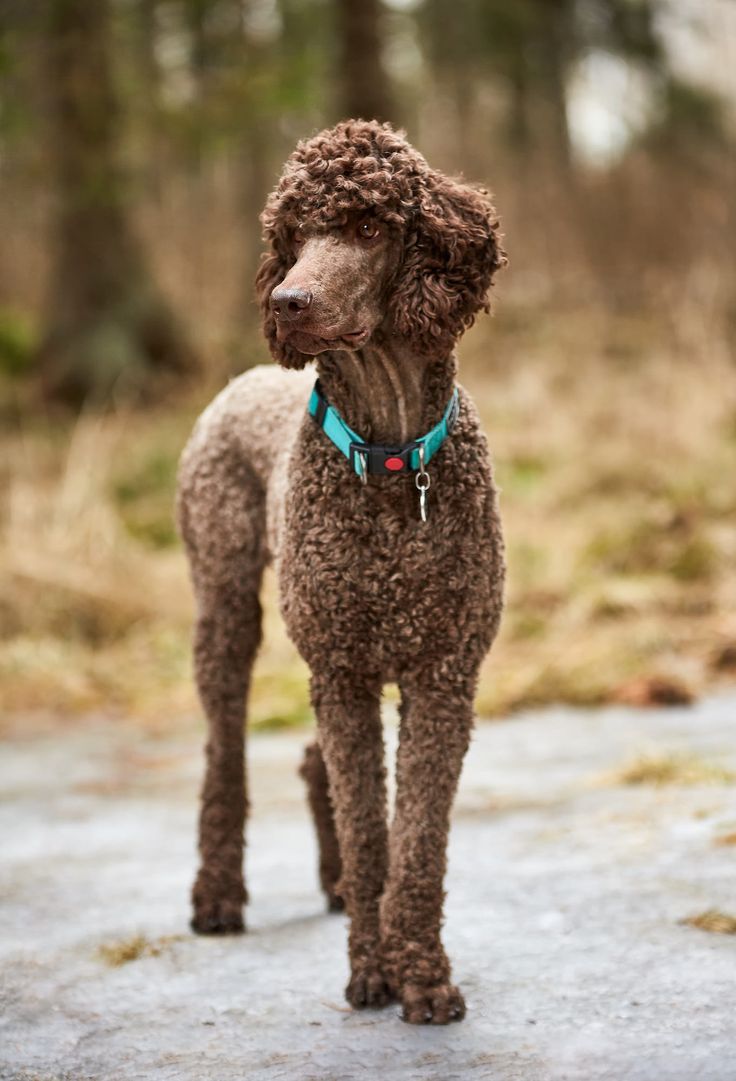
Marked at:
<point>436,720</point>
<point>348,716</point>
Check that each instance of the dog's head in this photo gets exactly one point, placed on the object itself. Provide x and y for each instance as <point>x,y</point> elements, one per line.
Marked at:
<point>364,238</point>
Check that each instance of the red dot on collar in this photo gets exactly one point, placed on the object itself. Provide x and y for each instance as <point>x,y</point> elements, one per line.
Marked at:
<point>394,464</point>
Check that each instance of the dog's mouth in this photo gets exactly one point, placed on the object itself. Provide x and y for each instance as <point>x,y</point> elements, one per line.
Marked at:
<point>313,342</point>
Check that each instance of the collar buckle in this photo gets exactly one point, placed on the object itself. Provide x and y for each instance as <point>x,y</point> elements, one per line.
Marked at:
<point>382,460</point>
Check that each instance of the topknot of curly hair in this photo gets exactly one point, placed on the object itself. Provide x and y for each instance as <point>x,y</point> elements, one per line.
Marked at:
<point>358,165</point>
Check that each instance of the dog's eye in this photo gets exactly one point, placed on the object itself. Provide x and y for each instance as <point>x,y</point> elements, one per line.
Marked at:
<point>298,237</point>
<point>368,230</point>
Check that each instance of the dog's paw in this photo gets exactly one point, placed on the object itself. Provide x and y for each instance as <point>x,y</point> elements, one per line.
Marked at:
<point>368,987</point>
<point>218,905</point>
<point>422,1005</point>
<point>218,917</point>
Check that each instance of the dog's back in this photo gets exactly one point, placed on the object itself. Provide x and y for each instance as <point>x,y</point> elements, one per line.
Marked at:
<point>248,430</point>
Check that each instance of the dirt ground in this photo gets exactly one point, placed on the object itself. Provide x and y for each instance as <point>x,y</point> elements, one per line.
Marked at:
<point>566,892</point>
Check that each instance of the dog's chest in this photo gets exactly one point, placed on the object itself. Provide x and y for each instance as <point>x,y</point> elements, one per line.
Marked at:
<point>367,582</point>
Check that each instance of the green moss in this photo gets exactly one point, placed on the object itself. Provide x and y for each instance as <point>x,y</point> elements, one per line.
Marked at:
<point>18,341</point>
<point>695,561</point>
<point>649,545</point>
<point>522,474</point>
<point>269,721</point>
<point>280,699</point>
<point>153,475</point>
<point>145,497</point>
<point>528,559</point>
<point>526,624</point>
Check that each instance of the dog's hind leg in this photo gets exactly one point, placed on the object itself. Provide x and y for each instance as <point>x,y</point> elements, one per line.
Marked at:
<point>222,520</point>
<point>314,772</point>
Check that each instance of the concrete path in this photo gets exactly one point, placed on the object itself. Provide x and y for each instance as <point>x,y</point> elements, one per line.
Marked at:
<point>566,890</point>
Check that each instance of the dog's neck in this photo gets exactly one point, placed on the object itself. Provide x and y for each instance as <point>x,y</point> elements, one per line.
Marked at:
<point>385,392</point>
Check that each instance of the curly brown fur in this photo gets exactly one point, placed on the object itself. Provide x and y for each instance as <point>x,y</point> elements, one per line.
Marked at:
<point>314,772</point>
<point>375,265</point>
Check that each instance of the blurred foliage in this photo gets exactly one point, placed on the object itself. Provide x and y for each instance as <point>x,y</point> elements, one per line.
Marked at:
<point>687,118</point>
<point>531,48</point>
<point>138,139</point>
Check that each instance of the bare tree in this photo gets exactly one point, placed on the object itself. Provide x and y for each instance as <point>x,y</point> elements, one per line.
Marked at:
<point>107,329</point>
<point>364,89</point>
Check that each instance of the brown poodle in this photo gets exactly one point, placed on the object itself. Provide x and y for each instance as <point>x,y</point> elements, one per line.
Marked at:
<point>376,265</point>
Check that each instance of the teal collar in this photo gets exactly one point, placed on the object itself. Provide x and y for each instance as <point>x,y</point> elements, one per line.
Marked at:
<point>368,458</point>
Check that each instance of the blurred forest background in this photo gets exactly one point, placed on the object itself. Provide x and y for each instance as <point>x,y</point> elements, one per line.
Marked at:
<point>138,139</point>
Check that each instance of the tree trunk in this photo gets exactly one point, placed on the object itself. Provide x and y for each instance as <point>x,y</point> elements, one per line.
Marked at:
<point>107,330</point>
<point>149,97</point>
<point>555,47</point>
<point>363,83</point>
<point>256,180</point>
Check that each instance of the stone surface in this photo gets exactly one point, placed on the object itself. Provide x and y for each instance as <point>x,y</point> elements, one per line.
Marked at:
<point>565,893</point>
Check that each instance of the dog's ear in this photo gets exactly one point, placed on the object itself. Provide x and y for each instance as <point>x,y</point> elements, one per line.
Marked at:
<point>275,265</point>
<point>452,251</point>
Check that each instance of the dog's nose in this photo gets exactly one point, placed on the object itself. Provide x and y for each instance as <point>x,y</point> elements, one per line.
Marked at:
<point>290,304</point>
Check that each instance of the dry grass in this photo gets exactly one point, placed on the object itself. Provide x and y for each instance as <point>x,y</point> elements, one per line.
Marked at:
<point>125,950</point>
<point>618,511</point>
<point>718,923</point>
<point>614,442</point>
<point>671,768</point>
